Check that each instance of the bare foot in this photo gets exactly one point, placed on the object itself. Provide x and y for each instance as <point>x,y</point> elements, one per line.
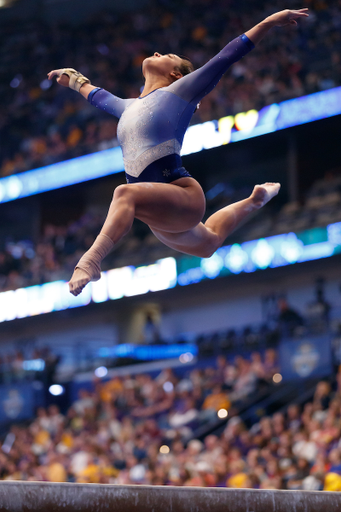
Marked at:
<point>262,194</point>
<point>78,281</point>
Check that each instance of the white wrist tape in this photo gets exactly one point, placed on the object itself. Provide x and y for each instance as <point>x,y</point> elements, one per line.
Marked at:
<point>76,79</point>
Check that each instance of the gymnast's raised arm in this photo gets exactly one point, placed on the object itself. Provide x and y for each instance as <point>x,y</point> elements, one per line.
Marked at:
<point>106,101</point>
<point>78,83</point>
<point>279,19</point>
<point>194,86</point>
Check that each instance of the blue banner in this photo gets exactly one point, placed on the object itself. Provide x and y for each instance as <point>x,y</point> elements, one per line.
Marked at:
<point>306,358</point>
<point>149,352</point>
<point>16,402</point>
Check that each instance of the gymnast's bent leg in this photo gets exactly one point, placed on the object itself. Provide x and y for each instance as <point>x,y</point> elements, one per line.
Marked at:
<point>169,206</point>
<point>205,239</point>
<point>89,266</point>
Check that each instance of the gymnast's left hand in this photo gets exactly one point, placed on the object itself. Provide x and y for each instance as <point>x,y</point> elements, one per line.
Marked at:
<point>287,17</point>
<point>62,79</point>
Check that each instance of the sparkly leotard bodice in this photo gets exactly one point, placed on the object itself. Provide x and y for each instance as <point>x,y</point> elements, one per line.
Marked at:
<point>153,127</point>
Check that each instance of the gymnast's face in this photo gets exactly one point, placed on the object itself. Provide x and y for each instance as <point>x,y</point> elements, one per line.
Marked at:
<point>164,65</point>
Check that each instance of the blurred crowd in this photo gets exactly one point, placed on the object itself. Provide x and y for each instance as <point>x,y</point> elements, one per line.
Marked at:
<point>37,364</point>
<point>126,420</point>
<point>50,258</point>
<point>42,123</point>
<point>53,255</point>
<point>140,430</point>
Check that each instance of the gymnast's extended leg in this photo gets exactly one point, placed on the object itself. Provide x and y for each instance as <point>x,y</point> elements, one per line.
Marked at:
<point>205,239</point>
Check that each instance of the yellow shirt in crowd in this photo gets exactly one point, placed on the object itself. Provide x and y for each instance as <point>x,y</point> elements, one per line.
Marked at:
<point>216,402</point>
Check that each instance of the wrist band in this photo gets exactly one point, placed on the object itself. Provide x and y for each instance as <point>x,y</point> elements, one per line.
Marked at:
<point>76,79</point>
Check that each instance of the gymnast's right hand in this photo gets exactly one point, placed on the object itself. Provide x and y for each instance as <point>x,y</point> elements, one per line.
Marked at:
<point>62,78</point>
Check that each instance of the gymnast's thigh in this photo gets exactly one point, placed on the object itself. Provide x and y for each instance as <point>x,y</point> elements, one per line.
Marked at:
<point>171,207</point>
<point>198,241</point>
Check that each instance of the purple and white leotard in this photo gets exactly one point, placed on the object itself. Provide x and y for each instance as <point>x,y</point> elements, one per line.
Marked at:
<point>151,129</point>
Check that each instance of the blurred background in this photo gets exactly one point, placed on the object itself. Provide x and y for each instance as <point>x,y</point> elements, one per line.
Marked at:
<point>171,370</point>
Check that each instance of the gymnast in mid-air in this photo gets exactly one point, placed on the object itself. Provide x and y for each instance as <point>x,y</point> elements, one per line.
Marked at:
<point>159,191</point>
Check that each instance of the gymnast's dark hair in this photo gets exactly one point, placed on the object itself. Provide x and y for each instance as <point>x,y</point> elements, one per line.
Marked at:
<point>186,67</point>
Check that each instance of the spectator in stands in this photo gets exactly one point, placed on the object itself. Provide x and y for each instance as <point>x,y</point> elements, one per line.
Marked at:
<point>318,311</point>
<point>302,472</point>
<point>270,364</point>
<point>257,366</point>
<point>185,416</point>
<point>313,482</point>
<point>335,461</point>
<point>288,318</point>
<point>294,419</point>
<point>213,449</point>
<point>245,382</point>
<point>332,482</point>
<point>216,400</point>
<point>303,447</point>
<point>238,477</point>
<point>55,469</point>
<point>221,364</point>
<point>322,396</point>
<point>85,401</point>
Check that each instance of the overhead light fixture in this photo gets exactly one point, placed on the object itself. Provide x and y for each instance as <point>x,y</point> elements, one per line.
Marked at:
<point>101,372</point>
<point>56,389</point>
<point>6,3</point>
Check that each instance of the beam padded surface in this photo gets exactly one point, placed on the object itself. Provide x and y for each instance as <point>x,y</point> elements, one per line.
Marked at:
<point>49,497</point>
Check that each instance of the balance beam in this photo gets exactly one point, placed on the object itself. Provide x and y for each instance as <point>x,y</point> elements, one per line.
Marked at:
<point>55,497</point>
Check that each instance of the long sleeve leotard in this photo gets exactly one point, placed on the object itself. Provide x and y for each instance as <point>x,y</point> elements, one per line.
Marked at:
<point>153,127</point>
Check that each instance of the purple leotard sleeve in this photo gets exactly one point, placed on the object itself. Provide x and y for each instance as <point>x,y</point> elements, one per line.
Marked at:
<point>108,102</point>
<point>196,85</point>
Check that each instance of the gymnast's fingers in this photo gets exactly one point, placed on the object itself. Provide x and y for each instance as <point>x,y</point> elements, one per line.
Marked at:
<point>300,13</point>
<point>55,72</point>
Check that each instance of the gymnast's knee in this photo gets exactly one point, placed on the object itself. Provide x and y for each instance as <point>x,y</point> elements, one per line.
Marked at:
<point>123,201</point>
<point>122,192</point>
<point>208,250</point>
<point>212,242</point>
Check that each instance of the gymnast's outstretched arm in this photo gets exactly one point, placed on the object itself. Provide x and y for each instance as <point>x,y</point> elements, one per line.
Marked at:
<point>63,78</point>
<point>279,19</point>
<point>68,77</point>
<point>194,86</point>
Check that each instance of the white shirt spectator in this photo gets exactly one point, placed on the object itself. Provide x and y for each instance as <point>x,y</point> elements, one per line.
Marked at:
<point>305,449</point>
